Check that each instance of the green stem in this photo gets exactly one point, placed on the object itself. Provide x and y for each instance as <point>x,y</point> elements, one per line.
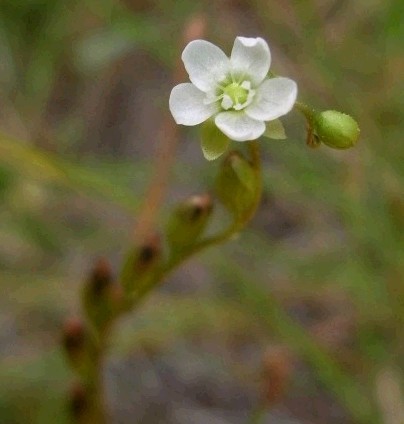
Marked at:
<point>222,237</point>
<point>96,412</point>
<point>306,110</point>
<point>258,414</point>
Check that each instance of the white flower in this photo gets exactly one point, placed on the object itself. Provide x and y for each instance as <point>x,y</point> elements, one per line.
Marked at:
<point>235,92</point>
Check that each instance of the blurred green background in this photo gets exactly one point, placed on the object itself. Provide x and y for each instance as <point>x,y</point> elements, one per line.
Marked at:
<point>306,306</point>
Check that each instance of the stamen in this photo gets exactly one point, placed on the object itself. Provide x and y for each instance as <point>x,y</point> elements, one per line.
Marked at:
<point>227,102</point>
<point>246,85</point>
<point>237,95</point>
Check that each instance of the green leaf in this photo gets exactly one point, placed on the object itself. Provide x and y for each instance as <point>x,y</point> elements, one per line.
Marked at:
<point>275,130</point>
<point>213,142</point>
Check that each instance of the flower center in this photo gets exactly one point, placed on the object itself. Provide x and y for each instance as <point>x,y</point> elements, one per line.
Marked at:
<point>237,96</point>
<point>236,93</point>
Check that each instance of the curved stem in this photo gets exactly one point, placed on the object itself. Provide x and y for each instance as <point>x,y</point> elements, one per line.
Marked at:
<point>235,227</point>
<point>96,412</point>
<point>306,110</point>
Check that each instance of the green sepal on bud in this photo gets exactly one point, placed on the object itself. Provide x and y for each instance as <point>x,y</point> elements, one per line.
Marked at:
<point>102,297</point>
<point>78,403</point>
<point>140,265</point>
<point>335,129</point>
<point>74,340</point>
<point>188,221</point>
<point>237,185</point>
<point>213,142</point>
<point>275,130</point>
<point>79,345</point>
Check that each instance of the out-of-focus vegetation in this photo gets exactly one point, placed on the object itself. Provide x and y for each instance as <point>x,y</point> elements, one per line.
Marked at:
<point>319,273</point>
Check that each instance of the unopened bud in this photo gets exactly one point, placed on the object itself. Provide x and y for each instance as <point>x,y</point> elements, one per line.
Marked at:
<point>100,298</point>
<point>147,254</point>
<point>73,338</point>
<point>78,402</point>
<point>188,221</point>
<point>237,184</point>
<point>100,278</point>
<point>141,264</point>
<point>79,345</point>
<point>336,129</point>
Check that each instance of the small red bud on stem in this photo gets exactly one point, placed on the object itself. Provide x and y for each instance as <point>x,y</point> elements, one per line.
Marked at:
<point>73,338</point>
<point>78,402</point>
<point>101,277</point>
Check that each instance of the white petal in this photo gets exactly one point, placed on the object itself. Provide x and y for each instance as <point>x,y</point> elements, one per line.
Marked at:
<point>187,105</point>
<point>205,63</point>
<point>238,126</point>
<point>275,97</point>
<point>251,57</point>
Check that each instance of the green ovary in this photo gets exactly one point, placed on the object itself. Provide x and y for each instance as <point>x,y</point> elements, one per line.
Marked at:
<point>237,93</point>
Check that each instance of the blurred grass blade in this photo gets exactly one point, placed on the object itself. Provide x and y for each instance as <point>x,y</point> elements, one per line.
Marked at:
<point>31,162</point>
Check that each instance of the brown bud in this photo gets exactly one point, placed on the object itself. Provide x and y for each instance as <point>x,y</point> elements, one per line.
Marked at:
<point>100,295</point>
<point>201,204</point>
<point>73,337</point>
<point>188,221</point>
<point>140,263</point>
<point>148,252</point>
<point>78,401</point>
<point>145,254</point>
<point>101,277</point>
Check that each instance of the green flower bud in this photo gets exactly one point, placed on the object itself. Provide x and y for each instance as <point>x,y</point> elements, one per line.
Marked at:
<point>188,221</point>
<point>79,344</point>
<point>78,402</point>
<point>141,264</point>
<point>74,338</point>
<point>336,129</point>
<point>237,185</point>
<point>102,297</point>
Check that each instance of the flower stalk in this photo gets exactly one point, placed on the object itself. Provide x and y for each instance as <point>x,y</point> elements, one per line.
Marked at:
<point>144,269</point>
<point>235,100</point>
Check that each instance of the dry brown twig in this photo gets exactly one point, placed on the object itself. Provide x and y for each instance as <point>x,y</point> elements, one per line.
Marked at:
<point>166,147</point>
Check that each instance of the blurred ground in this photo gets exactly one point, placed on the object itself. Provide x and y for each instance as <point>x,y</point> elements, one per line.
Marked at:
<point>88,82</point>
